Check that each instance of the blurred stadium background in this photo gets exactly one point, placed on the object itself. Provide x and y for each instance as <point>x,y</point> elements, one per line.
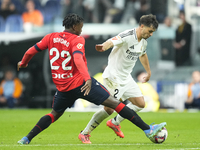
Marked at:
<point>169,81</point>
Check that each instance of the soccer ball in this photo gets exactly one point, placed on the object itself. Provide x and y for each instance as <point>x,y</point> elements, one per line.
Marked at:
<point>160,137</point>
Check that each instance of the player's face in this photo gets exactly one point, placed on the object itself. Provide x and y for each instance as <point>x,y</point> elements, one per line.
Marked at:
<point>147,32</point>
<point>78,28</point>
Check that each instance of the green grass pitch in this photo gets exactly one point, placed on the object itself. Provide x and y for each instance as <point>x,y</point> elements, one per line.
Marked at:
<point>183,132</point>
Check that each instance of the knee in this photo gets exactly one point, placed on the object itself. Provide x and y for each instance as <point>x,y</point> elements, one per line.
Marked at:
<point>140,103</point>
<point>109,110</point>
<point>55,116</point>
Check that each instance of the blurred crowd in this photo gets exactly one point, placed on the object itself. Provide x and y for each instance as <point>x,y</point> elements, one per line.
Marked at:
<point>38,12</point>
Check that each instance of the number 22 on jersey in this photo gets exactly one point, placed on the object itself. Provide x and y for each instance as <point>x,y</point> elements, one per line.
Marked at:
<point>64,62</point>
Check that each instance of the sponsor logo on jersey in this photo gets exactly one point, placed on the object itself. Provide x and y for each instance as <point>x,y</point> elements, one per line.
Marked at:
<point>62,76</point>
<point>132,55</point>
<point>116,38</point>
<point>79,46</point>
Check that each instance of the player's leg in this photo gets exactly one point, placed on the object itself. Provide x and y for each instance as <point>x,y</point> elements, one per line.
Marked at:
<point>96,119</point>
<point>135,98</point>
<point>42,124</point>
<point>103,113</point>
<point>125,112</point>
<point>11,102</point>
<point>135,103</point>
<point>100,91</point>
<point>117,91</point>
<point>125,92</point>
<point>59,105</point>
<point>99,95</point>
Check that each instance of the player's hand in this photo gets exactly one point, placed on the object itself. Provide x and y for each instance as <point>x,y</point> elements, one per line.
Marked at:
<point>99,48</point>
<point>87,87</point>
<point>146,78</point>
<point>19,66</point>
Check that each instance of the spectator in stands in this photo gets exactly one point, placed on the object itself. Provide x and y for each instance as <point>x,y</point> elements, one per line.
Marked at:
<point>182,42</point>
<point>166,42</point>
<point>7,8</point>
<point>32,17</point>
<point>114,14</point>
<point>66,7</point>
<point>129,12</point>
<point>10,89</point>
<point>6,61</point>
<point>89,6</point>
<point>151,97</point>
<point>159,8</point>
<point>193,100</point>
<point>143,10</point>
<point>167,21</point>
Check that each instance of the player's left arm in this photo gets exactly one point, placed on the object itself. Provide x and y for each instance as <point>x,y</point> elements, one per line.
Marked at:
<point>145,62</point>
<point>78,52</point>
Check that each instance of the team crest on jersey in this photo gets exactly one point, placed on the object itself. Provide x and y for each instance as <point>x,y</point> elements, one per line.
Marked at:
<point>79,45</point>
<point>141,48</point>
<point>116,38</point>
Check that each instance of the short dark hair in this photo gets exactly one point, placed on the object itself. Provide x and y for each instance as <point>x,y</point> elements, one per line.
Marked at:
<point>182,12</point>
<point>72,19</point>
<point>149,20</point>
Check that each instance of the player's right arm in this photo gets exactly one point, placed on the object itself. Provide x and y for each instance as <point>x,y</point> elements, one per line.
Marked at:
<point>42,45</point>
<point>26,58</point>
<point>117,40</point>
<point>105,46</point>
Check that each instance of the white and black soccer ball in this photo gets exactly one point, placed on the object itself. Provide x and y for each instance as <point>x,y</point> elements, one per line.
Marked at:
<point>160,137</point>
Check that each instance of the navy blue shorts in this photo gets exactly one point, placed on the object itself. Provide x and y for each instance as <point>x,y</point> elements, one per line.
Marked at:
<point>97,95</point>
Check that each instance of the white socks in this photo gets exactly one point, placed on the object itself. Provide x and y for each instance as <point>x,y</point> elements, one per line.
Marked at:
<point>100,115</point>
<point>118,119</point>
<point>97,118</point>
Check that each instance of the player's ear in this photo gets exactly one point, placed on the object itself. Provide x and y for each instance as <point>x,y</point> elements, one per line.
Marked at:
<point>142,26</point>
<point>74,27</point>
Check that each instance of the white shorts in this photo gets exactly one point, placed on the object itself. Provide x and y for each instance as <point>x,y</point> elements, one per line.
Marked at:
<point>123,91</point>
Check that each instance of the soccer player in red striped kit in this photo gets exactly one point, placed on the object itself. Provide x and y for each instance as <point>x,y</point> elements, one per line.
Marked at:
<point>70,75</point>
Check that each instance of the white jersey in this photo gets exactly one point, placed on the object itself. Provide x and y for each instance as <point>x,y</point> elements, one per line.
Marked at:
<point>124,55</point>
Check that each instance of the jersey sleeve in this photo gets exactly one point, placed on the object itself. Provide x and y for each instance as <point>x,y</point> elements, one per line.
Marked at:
<point>78,51</point>
<point>78,45</point>
<point>123,37</point>
<point>81,66</point>
<point>28,56</point>
<point>117,40</point>
<point>43,44</point>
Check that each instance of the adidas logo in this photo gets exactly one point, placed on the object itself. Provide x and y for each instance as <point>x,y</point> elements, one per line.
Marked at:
<point>132,47</point>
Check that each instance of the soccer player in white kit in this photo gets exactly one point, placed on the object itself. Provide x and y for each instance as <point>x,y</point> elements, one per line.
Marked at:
<point>128,46</point>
